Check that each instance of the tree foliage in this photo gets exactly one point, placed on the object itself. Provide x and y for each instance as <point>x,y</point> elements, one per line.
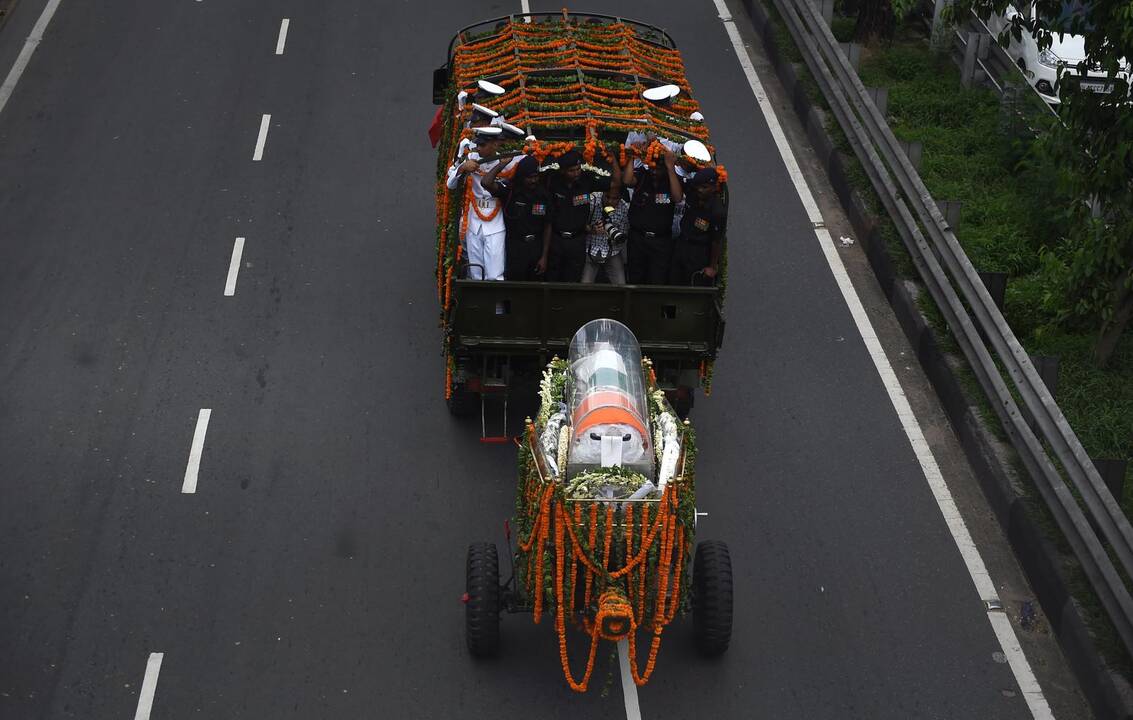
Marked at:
<point>1090,268</point>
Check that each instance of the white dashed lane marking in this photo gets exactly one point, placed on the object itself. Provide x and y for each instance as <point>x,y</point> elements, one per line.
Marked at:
<point>190,485</point>
<point>282,36</point>
<point>27,51</point>
<point>149,686</point>
<point>262,139</point>
<point>234,267</point>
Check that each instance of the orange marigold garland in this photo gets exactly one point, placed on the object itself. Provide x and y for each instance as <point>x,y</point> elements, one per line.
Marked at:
<point>560,620</point>
<point>574,560</point>
<point>591,571</point>
<point>641,573</point>
<point>721,174</point>
<point>553,544</point>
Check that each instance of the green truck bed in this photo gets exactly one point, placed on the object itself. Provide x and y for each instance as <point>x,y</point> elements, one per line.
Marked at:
<point>535,318</point>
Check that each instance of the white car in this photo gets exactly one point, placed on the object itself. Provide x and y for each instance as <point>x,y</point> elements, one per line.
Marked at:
<point>1058,63</point>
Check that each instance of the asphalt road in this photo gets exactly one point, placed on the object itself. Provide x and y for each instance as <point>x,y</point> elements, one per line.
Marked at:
<point>317,570</point>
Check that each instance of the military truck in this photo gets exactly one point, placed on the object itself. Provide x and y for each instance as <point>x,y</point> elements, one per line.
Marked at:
<point>588,82</point>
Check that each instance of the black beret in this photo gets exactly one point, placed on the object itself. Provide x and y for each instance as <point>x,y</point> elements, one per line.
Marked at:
<point>703,177</point>
<point>527,166</point>
<point>569,159</point>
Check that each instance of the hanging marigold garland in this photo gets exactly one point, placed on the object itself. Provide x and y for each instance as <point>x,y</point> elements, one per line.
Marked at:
<point>630,559</point>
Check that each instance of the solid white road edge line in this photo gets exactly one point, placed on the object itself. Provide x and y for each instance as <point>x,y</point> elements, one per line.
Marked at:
<point>27,51</point>
<point>234,267</point>
<point>1032,693</point>
<point>282,36</point>
<point>262,139</point>
<point>629,687</point>
<point>525,6</point>
<point>194,466</point>
<point>149,686</point>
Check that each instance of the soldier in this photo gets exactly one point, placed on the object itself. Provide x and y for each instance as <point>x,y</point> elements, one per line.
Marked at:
<point>696,255</point>
<point>481,117</point>
<point>570,214</point>
<point>526,209</point>
<point>656,193</point>
<point>484,236</point>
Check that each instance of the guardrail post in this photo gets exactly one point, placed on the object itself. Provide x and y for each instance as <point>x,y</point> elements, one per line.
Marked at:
<point>880,97</point>
<point>853,53</point>
<point>1112,471</point>
<point>914,150</point>
<point>1047,368</point>
<point>950,209</point>
<point>940,34</point>
<point>970,71</point>
<point>996,284</point>
<point>826,9</point>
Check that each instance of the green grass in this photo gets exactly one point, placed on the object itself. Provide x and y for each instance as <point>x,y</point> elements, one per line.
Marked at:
<point>968,158</point>
<point>962,158</point>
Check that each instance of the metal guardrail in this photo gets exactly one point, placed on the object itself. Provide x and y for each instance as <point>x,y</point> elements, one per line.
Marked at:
<point>994,63</point>
<point>1052,449</point>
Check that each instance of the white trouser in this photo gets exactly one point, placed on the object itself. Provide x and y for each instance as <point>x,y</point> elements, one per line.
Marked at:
<point>486,252</point>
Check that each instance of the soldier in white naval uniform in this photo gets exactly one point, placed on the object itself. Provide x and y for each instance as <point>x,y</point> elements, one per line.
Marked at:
<point>485,233</point>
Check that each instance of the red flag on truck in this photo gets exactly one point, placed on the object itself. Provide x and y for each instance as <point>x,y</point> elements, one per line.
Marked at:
<point>435,128</point>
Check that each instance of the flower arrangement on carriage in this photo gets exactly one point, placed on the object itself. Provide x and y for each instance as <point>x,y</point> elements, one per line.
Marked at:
<point>605,517</point>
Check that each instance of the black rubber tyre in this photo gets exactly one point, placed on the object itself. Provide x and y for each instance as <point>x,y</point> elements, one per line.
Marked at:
<point>462,402</point>
<point>712,597</point>
<point>482,605</point>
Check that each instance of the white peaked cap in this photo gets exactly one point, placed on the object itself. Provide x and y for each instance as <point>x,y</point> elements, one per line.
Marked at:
<point>490,87</point>
<point>697,151</point>
<point>661,92</point>
<point>488,133</point>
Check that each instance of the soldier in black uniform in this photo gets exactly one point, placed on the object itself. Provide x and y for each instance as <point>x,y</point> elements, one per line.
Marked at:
<point>526,209</point>
<point>570,214</point>
<point>696,256</point>
<point>656,193</point>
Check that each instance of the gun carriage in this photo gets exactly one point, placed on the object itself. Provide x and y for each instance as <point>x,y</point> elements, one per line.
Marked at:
<point>605,517</point>
<point>569,81</point>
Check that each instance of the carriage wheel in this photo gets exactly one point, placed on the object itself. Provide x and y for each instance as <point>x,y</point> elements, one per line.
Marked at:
<point>482,600</point>
<point>712,597</point>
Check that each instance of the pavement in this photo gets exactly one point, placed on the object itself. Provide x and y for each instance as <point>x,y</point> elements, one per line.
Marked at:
<point>317,570</point>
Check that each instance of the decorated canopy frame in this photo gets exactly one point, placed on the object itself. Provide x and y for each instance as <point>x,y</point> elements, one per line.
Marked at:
<point>568,76</point>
